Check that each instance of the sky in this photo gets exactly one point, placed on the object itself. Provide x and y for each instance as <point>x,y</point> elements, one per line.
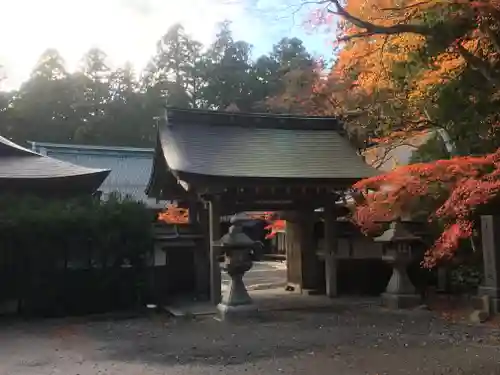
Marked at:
<point>127,30</point>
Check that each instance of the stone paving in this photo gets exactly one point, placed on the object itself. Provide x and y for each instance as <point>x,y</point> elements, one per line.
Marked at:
<point>344,339</point>
<point>263,275</point>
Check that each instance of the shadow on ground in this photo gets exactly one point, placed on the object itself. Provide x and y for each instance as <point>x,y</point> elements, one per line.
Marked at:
<point>272,335</point>
<point>345,340</point>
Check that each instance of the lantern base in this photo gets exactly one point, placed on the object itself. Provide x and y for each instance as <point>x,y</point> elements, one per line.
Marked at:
<point>228,312</point>
<point>400,301</point>
<point>487,300</point>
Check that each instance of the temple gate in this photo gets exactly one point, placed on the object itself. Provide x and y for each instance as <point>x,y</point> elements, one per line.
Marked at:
<point>221,163</point>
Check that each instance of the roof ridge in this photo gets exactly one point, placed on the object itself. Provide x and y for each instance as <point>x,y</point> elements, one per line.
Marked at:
<point>91,147</point>
<point>252,120</point>
<point>9,148</point>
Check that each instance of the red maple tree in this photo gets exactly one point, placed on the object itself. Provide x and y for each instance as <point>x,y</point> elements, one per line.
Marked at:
<point>447,191</point>
<point>276,226</point>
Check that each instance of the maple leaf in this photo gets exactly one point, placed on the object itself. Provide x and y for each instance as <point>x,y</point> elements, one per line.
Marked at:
<point>449,191</point>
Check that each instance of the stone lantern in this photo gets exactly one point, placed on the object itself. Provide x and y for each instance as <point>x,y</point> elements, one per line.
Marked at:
<point>236,247</point>
<point>398,243</point>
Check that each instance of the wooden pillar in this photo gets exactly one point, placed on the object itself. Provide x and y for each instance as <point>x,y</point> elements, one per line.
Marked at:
<point>202,253</point>
<point>490,231</point>
<point>194,211</point>
<point>293,252</point>
<point>215,235</point>
<point>302,260</point>
<point>330,249</point>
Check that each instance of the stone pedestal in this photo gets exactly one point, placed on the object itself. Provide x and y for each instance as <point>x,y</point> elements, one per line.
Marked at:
<point>492,295</point>
<point>400,292</point>
<point>400,301</point>
<point>236,302</point>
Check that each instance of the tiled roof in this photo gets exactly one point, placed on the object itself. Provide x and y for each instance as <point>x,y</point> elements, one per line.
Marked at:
<point>17,162</point>
<point>41,167</point>
<point>130,167</point>
<point>262,146</point>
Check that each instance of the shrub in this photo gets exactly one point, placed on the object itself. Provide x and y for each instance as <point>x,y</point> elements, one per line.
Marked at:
<point>72,256</point>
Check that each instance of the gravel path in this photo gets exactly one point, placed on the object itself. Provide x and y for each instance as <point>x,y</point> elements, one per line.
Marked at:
<point>340,340</point>
<point>263,275</point>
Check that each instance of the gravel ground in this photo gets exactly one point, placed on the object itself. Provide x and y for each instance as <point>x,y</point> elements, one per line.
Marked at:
<point>336,340</point>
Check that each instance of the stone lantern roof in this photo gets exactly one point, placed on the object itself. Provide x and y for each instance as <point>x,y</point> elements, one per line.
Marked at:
<point>236,238</point>
<point>396,233</point>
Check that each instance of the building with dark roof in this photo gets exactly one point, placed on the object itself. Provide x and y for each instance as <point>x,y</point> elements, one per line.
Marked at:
<point>248,162</point>
<point>129,167</point>
<point>25,171</point>
<point>204,152</point>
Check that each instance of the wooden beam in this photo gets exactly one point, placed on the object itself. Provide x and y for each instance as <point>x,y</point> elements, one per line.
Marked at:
<point>215,235</point>
<point>256,205</point>
<point>267,199</point>
<point>272,186</point>
<point>286,192</point>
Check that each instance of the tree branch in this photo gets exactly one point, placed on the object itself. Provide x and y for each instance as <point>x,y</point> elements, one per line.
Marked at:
<point>387,150</point>
<point>477,63</point>
<point>406,7</point>
<point>372,29</point>
<point>486,29</point>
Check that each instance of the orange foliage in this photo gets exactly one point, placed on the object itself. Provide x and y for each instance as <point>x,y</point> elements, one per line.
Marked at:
<point>451,190</point>
<point>372,57</point>
<point>174,215</point>
<point>364,72</point>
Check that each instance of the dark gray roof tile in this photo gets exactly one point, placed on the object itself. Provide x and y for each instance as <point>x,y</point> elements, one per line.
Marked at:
<point>40,167</point>
<point>260,150</point>
<point>17,162</point>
